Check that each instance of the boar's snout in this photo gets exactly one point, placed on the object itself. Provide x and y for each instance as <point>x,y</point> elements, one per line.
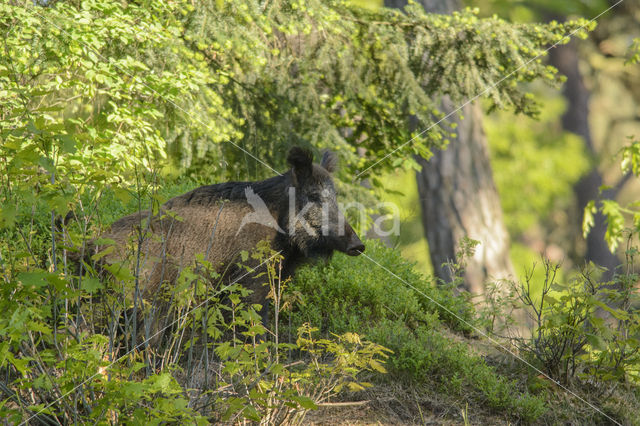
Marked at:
<point>355,247</point>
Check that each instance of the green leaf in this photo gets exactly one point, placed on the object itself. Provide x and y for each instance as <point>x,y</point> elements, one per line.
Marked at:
<point>8,214</point>
<point>615,223</point>
<point>588,220</point>
<point>39,327</point>
<point>57,281</point>
<point>251,413</point>
<point>617,313</point>
<point>36,279</point>
<point>68,144</point>
<point>4,352</point>
<point>161,383</point>
<point>596,342</point>
<point>119,272</point>
<point>21,364</point>
<point>305,402</point>
<point>355,387</point>
<point>377,366</point>
<point>122,194</point>
<point>103,253</point>
<point>91,284</point>
<point>255,330</point>
<point>636,221</point>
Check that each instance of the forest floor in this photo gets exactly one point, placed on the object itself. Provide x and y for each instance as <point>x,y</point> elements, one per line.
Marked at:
<point>398,402</point>
<point>395,404</point>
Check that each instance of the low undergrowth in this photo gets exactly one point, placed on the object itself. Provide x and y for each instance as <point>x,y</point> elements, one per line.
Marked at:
<point>73,352</point>
<point>416,319</point>
<point>578,361</point>
<point>68,350</point>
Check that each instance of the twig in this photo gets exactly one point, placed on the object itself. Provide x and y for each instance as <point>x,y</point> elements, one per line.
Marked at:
<point>343,404</point>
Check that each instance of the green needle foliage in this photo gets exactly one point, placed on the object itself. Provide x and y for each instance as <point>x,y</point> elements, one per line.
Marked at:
<point>335,75</point>
<point>99,93</point>
<point>119,85</point>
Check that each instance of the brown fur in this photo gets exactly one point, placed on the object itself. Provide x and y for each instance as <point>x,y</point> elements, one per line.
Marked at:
<point>171,243</point>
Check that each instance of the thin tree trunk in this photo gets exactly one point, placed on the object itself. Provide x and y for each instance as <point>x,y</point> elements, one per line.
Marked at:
<point>576,120</point>
<point>458,195</point>
<point>459,199</point>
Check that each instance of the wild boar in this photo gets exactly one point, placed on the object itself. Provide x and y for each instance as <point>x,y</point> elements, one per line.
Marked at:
<point>297,212</point>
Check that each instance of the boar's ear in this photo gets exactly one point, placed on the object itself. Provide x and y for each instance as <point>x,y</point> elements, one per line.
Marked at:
<point>329,161</point>
<point>301,162</point>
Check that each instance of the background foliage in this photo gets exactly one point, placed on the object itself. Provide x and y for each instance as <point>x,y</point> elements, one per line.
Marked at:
<point>109,107</point>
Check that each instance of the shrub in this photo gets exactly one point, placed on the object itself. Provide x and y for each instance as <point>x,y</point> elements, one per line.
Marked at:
<point>586,328</point>
<point>351,294</point>
<point>355,292</point>
<point>69,352</point>
<point>254,384</point>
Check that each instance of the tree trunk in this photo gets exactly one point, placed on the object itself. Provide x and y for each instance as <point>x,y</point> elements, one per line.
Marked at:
<point>459,199</point>
<point>458,195</point>
<point>576,120</point>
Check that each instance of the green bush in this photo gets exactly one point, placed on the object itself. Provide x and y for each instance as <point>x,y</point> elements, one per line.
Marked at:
<point>353,294</point>
<point>255,381</point>
<point>67,354</point>
<point>586,329</point>
<point>356,291</point>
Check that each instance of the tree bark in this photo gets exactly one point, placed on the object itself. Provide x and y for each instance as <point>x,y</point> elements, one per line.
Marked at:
<point>458,195</point>
<point>576,120</point>
<point>459,199</point>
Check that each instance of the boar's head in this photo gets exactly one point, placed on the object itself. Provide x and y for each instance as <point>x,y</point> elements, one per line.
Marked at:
<point>314,222</point>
